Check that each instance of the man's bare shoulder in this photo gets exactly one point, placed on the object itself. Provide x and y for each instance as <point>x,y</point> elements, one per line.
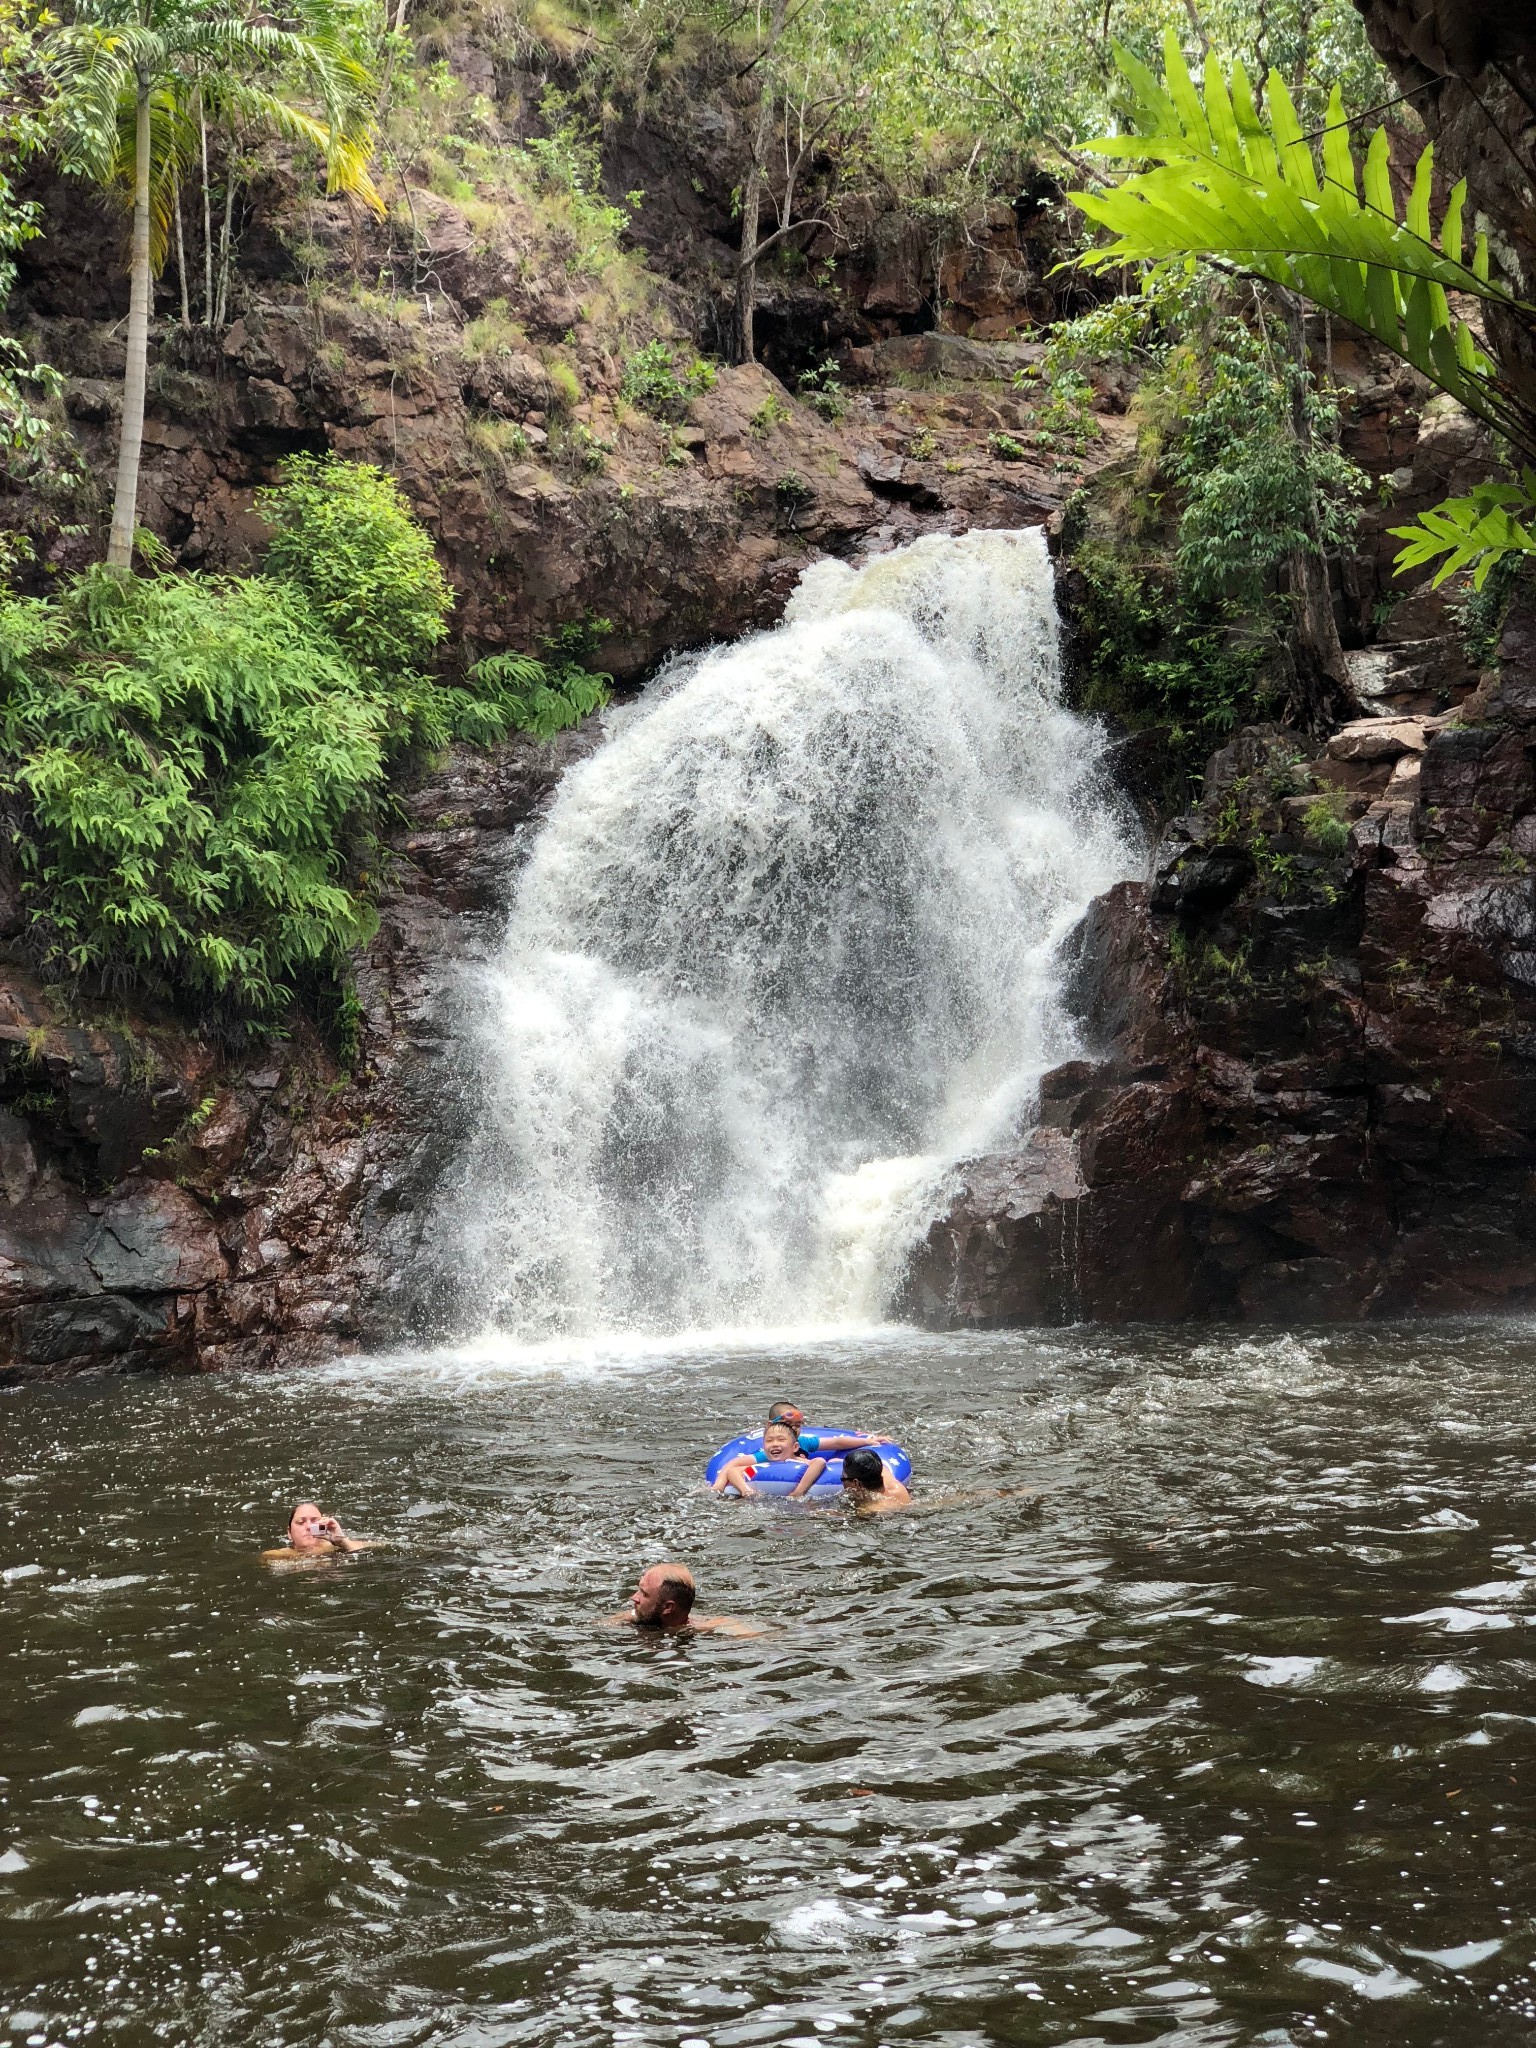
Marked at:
<point>729,1625</point>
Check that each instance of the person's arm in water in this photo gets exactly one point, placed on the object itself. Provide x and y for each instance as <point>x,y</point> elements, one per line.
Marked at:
<point>339,1540</point>
<point>834,1446</point>
<point>814,1467</point>
<point>728,1625</point>
<point>1024,1495</point>
<point>737,1474</point>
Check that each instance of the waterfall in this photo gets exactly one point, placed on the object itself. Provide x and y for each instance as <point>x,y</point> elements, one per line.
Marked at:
<point>784,949</point>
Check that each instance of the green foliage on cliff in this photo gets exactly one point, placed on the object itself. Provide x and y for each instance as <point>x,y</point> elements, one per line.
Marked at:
<point>1153,657</point>
<point>656,382</point>
<point>193,762</point>
<point>541,696</point>
<point>1255,492</point>
<point>343,532</point>
<point>194,766</point>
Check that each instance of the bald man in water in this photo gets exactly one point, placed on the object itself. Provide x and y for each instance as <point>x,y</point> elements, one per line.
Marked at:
<point>662,1604</point>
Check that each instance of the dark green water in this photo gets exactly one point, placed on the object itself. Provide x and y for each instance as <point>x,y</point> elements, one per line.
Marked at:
<point>1229,1745</point>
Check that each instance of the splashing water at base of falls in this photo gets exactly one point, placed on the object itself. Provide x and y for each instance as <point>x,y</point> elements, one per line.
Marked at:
<point>785,948</point>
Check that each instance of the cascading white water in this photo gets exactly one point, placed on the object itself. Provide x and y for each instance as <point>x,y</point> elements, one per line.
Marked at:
<point>784,948</point>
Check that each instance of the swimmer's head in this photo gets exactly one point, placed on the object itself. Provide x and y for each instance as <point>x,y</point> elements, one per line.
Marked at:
<point>864,1469</point>
<point>786,1411</point>
<point>305,1524</point>
<point>780,1440</point>
<point>664,1597</point>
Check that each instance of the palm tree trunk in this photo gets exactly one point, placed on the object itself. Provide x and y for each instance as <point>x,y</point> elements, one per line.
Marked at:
<point>202,130</point>
<point>126,498</point>
<point>181,262</point>
<point>221,311</point>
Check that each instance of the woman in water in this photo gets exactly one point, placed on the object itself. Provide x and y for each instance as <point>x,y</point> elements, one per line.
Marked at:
<point>314,1537</point>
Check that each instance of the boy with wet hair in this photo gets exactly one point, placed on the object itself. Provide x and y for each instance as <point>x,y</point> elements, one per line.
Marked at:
<point>870,1487</point>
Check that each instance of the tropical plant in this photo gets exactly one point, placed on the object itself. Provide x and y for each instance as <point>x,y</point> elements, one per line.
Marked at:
<point>655,383</point>
<point>127,74</point>
<point>25,431</point>
<point>1254,495</point>
<point>344,533</point>
<point>1233,187</point>
<point>526,693</point>
<point>190,758</point>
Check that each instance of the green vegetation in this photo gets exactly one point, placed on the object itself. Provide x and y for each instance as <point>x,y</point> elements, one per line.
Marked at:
<point>822,389</point>
<point>519,693</point>
<point>197,758</point>
<point>1153,658</point>
<point>1254,492</point>
<point>139,82</point>
<point>773,412</point>
<point>1323,825</point>
<point>197,764</point>
<point>343,532</point>
<point>656,383</point>
<point>1193,550</point>
<point>1231,184</point>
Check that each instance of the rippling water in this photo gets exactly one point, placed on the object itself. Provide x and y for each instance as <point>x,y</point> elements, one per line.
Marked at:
<point>1229,1744</point>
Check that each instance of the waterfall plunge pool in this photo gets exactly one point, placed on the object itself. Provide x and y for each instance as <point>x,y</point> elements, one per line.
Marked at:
<point>1229,1745</point>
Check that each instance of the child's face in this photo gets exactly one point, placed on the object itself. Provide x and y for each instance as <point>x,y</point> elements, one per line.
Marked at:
<point>780,1441</point>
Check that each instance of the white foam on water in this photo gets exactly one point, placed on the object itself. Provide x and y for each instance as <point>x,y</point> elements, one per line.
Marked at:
<point>788,946</point>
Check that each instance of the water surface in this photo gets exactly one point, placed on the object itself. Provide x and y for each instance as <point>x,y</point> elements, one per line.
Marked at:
<point>1228,1745</point>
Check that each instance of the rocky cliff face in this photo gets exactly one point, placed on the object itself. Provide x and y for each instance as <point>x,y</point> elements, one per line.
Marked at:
<point>1314,1094</point>
<point>165,1205</point>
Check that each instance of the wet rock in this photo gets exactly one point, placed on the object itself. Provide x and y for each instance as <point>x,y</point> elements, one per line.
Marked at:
<point>1316,1104</point>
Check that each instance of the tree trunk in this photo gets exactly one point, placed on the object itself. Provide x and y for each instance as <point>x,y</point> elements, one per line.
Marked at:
<point>202,130</point>
<point>743,340</point>
<point>221,311</point>
<point>1326,693</point>
<point>743,348</point>
<point>126,498</point>
<point>181,262</point>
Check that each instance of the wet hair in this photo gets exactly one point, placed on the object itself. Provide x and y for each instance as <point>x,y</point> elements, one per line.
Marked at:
<point>865,1469</point>
<point>780,1409</point>
<point>306,1502</point>
<point>679,1590</point>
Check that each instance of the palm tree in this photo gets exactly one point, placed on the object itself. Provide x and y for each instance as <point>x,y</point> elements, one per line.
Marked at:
<point>1241,190</point>
<point>127,72</point>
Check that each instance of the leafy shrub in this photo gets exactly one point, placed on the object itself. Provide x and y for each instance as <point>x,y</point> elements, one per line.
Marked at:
<point>1007,448</point>
<point>523,693</point>
<point>923,445</point>
<point>344,534</point>
<point>193,758</point>
<point>567,163</point>
<point>654,382</point>
<point>1150,657</point>
<point>1251,490</point>
<point>822,388</point>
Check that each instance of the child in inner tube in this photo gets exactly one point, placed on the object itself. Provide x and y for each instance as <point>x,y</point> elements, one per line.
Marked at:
<point>787,1441</point>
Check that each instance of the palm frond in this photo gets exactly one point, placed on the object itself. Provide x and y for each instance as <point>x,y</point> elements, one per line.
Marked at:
<point>1230,186</point>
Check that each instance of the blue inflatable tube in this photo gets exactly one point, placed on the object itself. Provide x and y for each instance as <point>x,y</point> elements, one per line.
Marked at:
<point>785,1476</point>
